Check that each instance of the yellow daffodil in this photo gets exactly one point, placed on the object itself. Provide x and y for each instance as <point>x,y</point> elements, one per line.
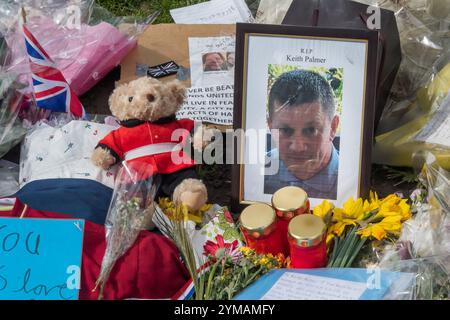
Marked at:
<point>170,209</point>
<point>324,211</point>
<point>392,206</point>
<point>389,225</point>
<point>405,210</point>
<point>390,200</point>
<point>352,209</point>
<point>330,237</point>
<point>390,203</point>
<point>338,228</point>
<point>350,214</point>
<point>370,206</point>
<point>373,197</point>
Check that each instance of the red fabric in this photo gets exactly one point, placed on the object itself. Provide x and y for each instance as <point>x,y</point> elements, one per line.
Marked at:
<point>126,139</point>
<point>151,269</point>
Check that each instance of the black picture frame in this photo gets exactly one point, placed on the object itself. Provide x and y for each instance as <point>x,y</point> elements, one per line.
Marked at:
<point>243,31</point>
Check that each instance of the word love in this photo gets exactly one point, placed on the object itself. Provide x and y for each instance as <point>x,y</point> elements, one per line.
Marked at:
<point>27,285</point>
<point>11,240</point>
<point>40,259</point>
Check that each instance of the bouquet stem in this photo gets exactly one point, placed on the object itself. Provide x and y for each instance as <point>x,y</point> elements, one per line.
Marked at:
<point>346,249</point>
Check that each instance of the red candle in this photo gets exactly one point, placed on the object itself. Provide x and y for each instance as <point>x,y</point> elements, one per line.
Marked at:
<point>259,227</point>
<point>289,202</point>
<point>307,241</point>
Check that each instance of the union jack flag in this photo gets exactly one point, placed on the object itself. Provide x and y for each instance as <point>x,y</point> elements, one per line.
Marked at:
<point>162,70</point>
<point>51,89</point>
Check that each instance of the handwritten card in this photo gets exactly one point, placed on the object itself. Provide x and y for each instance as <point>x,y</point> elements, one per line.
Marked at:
<point>437,130</point>
<point>40,259</point>
<point>209,104</point>
<point>328,284</point>
<point>213,12</point>
<point>297,286</point>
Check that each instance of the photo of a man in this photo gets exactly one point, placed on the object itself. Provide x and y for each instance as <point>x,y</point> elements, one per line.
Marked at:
<point>214,61</point>
<point>302,107</point>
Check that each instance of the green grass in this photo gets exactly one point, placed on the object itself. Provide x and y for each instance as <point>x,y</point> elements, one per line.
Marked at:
<point>144,8</point>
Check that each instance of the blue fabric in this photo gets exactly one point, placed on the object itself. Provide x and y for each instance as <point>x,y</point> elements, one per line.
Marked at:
<point>322,186</point>
<point>79,198</point>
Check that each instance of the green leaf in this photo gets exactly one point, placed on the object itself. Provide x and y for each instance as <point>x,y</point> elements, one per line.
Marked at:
<point>350,250</point>
<point>349,235</point>
<point>235,234</point>
<point>334,253</point>
<point>228,234</point>
<point>223,225</point>
<point>356,251</point>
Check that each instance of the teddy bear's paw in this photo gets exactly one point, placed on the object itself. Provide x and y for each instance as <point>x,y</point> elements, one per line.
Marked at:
<point>192,193</point>
<point>102,158</point>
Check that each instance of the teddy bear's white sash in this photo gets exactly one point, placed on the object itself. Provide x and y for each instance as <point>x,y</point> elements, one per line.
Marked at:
<point>152,149</point>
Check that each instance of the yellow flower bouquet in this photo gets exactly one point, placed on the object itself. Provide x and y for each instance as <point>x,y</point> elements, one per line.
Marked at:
<point>357,221</point>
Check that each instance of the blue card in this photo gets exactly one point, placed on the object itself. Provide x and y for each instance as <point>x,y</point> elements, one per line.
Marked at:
<point>326,284</point>
<point>40,259</point>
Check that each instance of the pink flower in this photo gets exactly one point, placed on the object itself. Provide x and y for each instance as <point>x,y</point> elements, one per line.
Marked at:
<point>228,216</point>
<point>211,248</point>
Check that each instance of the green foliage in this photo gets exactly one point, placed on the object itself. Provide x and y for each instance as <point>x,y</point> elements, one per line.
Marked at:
<point>143,8</point>
<point>401,176</point>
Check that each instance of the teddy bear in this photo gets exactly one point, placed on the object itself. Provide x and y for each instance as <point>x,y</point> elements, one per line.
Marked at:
<point>146,109</point>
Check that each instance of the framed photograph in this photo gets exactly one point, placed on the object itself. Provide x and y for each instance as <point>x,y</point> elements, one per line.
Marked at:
<point>305,103</point>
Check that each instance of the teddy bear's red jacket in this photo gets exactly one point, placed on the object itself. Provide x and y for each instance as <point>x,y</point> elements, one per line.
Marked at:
<point>134,134</point>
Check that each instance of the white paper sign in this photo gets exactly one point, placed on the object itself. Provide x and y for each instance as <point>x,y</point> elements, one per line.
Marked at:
<point>212,104</point>
<point>271,12</point>
<point>296,286</point>
<point>212,60</point>
<point>213,12</point>
<point>437,130</point>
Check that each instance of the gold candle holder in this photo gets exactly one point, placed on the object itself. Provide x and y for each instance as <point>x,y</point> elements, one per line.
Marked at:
<point>289,202</point>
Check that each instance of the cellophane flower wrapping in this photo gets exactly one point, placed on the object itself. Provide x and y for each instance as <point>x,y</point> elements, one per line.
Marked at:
<point>83,39</point>
<point>417,100</point>
<point>131,211</point>
<point>424,245</point>
<point>11,129</point>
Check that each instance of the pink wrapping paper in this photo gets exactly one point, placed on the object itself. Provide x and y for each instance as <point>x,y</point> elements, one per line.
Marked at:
<point>83,55</point>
